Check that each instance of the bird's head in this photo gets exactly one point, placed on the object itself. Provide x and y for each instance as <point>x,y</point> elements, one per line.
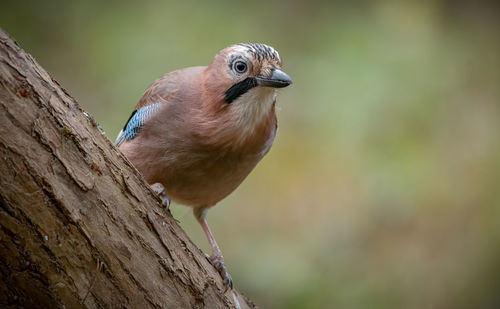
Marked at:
<point>242,71</point>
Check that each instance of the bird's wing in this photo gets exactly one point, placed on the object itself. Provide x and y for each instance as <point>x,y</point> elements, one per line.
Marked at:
<point>160,92</point>
<point>166,90</point>
<point>135,122</point>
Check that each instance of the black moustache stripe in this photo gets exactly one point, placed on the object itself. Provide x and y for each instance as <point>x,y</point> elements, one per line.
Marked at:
<point>240,89</point>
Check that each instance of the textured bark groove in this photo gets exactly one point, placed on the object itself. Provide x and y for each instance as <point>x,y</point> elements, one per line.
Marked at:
<point>79,227</point>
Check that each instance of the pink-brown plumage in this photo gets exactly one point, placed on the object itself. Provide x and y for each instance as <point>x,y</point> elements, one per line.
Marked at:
<point>203,138</point>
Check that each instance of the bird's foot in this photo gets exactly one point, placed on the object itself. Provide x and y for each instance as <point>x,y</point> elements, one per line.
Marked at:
<point>218,262</point>
<point>159,189</point>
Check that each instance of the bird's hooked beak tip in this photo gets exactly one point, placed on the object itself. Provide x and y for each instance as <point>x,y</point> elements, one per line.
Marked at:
<point>278,79</point>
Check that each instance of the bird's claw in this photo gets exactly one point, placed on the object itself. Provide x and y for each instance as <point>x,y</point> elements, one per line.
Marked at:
<point>165,201</point>
<point>159,189</point>
<point>218,263</point>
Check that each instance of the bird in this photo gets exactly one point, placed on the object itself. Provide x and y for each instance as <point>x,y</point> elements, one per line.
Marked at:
<point>198,132</point>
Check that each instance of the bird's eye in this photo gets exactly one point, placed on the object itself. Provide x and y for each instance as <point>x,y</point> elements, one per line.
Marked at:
<point>240,67</point>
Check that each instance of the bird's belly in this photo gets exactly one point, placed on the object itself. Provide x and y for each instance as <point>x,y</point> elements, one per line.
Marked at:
<point>204,180</point>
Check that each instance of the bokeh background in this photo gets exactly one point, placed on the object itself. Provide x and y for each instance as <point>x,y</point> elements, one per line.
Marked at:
<point>382,188</point>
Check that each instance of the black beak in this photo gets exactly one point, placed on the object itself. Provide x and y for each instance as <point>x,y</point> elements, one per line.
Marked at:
<point>278,79</point>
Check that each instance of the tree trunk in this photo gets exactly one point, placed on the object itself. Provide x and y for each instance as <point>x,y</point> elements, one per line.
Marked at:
<point>79,227</point>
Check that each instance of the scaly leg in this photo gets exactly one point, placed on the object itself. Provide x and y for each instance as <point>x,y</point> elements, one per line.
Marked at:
<point>216,258</point>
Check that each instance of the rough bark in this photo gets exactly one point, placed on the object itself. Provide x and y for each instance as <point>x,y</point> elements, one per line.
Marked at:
<point>79,227</point>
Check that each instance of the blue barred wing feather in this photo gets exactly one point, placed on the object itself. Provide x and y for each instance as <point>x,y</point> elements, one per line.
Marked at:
<point>133,126</point>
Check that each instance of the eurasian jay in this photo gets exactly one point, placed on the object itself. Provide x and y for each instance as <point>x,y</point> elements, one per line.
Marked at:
<point>198,132</point>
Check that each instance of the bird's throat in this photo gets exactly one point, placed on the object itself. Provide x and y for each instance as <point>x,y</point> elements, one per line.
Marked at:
<point>252,108</point>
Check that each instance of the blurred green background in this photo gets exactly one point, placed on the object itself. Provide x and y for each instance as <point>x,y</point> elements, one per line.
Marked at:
<point>382,187</point>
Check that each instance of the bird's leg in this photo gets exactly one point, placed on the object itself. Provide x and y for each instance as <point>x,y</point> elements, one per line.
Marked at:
<point>160,190</point>
<point>216,258</point>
